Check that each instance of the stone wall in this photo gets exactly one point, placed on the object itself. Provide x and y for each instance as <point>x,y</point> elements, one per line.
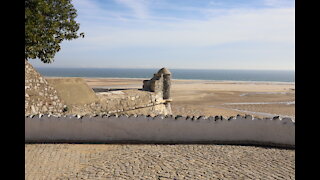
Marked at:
<point>40,97</point>
<point>152,110</point>
<point>160,83</point>
<point>74,96</point>
<point>160,129</point>
<point>133,102</point>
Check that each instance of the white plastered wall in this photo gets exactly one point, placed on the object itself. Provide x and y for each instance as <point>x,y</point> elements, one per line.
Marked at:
<point>104,129</point>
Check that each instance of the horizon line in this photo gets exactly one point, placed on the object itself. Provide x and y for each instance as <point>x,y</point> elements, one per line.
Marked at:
<point>161,67</point>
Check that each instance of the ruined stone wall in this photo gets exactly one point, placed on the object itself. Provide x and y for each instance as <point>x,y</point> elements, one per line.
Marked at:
<point>160,83</point>
<point>160,129</point>
<point>133,102</point>
<point>74,96</point>
<point>40,97</point>
<point>152,110</point>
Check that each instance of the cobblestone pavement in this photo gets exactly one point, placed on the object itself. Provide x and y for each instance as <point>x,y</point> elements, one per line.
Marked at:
<point>110,161</point>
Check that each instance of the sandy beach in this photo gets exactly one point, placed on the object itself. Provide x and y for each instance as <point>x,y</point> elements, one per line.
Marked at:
<point>225,98</point>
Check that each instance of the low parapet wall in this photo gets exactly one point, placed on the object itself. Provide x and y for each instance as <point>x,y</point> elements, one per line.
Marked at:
<point>160,129</point>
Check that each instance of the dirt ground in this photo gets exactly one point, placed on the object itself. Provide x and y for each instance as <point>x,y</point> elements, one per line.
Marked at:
<point>226,98</point>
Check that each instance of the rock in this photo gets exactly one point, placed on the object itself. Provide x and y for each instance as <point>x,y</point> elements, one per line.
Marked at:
<point>33,109</point>
<point>44,109</point>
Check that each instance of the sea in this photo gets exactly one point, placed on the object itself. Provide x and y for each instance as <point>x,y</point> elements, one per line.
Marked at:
<point>187,74</point>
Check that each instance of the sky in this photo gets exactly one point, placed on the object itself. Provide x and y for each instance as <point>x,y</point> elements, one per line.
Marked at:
<point>181,34</point>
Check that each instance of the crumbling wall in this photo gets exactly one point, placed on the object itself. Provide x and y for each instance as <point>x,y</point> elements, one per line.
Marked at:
<point>153,100</point>
<point>133,102</point>
<point>152,110</point>
<point>74,96</point>
<point>161,129</point>
<point>160,83</point>
<point>40,97</point>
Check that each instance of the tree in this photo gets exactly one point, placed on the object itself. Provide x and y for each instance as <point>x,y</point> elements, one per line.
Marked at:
<point>47,24</point>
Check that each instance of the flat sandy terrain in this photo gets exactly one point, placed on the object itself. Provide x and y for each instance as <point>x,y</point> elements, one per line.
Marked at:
<point>226,98</point>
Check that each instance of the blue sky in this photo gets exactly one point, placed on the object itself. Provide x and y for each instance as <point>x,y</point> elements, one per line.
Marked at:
<point>184,34</point>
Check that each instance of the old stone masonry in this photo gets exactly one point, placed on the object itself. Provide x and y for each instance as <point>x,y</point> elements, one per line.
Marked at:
<point>160,83</point>
<point>62,96</point>
<point>40,96</point>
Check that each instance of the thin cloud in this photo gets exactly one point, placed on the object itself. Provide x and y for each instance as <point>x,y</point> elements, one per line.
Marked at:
<point>139,7</point>
<point>267,25</point>
<point>279,3</point>
<point>121,31</point>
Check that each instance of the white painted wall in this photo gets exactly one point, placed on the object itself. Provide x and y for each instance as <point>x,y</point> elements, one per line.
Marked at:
<point>240,130</point>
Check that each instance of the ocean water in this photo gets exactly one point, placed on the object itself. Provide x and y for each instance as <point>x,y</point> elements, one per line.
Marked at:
<point>226,75</point>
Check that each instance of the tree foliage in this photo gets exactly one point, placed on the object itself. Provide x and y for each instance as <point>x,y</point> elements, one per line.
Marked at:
<point>47,24</point>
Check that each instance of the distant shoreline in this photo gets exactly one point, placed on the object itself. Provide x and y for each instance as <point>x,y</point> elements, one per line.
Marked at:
<point>202,75</point>
<point>190,80</point>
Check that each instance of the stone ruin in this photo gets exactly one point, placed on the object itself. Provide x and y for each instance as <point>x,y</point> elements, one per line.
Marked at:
<point>40,96</point>
<point>160,84</point>
<point>73,96</point>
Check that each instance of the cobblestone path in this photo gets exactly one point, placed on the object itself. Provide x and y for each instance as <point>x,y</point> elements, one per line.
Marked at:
<point>105,161</point>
